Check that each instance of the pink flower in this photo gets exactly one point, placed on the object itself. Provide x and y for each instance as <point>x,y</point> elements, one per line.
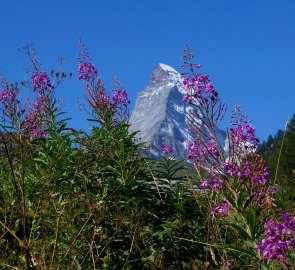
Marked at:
<point>7,96</point>
<point>279,239</point>
<point>120,97</point>
<point>86,71</point>
<point>220,209</point>
<point>33,122</point>
<point>40,81</point>
<point>166,149</point>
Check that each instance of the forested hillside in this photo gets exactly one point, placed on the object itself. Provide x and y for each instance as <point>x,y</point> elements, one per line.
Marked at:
<point>279,153</point>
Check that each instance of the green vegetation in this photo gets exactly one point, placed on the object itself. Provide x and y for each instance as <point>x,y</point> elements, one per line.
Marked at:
<point>76,200</point>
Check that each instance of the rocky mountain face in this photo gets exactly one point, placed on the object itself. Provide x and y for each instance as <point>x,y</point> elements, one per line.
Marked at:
<point>160,114</point>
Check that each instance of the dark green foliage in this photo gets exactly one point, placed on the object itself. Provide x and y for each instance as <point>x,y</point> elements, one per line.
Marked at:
<point>279,152</point>
<point>287,162</point>
<point>93,201</point>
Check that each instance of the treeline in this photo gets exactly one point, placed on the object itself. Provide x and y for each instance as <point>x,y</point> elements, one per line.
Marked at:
<point>279,153</point>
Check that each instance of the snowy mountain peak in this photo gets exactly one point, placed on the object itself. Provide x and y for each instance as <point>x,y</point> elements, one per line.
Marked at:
<point>160,114</point>
<point>163,74</point>
<point>167,68</point>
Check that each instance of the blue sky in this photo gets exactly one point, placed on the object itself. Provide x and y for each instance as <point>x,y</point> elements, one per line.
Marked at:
<point>247,47</point>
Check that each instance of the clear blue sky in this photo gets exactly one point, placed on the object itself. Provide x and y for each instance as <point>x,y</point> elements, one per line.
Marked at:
<point>247,47</point>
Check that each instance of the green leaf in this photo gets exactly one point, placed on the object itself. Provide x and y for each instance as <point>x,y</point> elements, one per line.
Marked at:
<point>242,251</point>
<point>252,221</point>
<point>240,230</point>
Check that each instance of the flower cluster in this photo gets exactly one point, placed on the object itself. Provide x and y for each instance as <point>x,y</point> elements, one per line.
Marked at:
<point>199,86</point>
<point>204,183</point>
<point>120,98</point>
<point>103,105</point>
<point>213,184</point>
<point>33,122</point>
<point>205,114</point>
<point>220,209</point>
<point>241,172</point>
<point>86,71</point>
<point>264,195</point>
<point>262,178</point>
<point>242,132</point>
<point>259,175</point>
<point>278,239</point>
<point>7,96</point>
<point>254,176</point>
<point>193,150</point>
<point>101,100</point>
<point>40,81</point>
<point>166,149</point>
<point>197,151</point>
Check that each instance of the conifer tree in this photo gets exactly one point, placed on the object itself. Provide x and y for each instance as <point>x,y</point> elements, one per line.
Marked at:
<point>287,162</point>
